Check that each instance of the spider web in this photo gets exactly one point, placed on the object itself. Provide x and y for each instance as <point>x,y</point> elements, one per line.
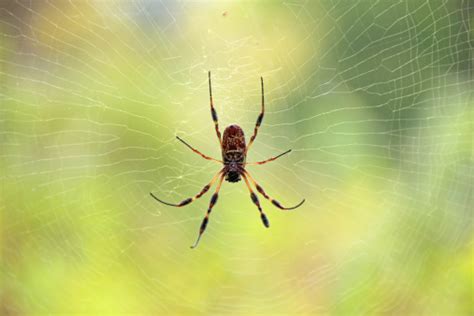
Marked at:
<point>374,98</point>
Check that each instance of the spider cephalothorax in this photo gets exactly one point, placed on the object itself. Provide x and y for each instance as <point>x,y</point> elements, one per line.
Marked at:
<point>234,153</point>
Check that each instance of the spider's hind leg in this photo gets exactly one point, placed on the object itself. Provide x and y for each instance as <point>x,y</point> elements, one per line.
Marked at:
<point>213,110</point>
<point>259,119</point>
<point>197,151</point>
<point>269,159</point>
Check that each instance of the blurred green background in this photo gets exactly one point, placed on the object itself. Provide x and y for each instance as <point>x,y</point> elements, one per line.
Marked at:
<point>374,98</point>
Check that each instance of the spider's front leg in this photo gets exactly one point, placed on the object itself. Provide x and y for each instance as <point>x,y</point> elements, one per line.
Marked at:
<point>265,195</point>
<point>255,201</point>
<point>194,198</point>
<point>213,202</point>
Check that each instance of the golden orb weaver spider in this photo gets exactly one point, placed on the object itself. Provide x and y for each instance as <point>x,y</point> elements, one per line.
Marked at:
<point>234,153</point>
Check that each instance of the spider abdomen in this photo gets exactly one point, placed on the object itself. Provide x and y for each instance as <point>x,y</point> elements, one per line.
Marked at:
<point>233,151</point>
<point>233,140</point>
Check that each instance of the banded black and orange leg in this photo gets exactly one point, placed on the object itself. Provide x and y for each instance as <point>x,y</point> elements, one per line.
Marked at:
<point>211,205</point>
<point>198,152</point>
<point>259,119</point>
<point>268,160</point>
<point>194,198</point>
<point>265,195</point>
<point>213,111</point>
<point>255,201</point>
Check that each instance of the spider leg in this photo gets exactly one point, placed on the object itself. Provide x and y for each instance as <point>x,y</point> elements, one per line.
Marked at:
<point>259,119</point>
<point>197,151</point>
<point>191,199</point>
<point>211,205</point>
<point>269,159</point>
<point>255,201</point>
<point>274,202</point>
<point>213,111</point>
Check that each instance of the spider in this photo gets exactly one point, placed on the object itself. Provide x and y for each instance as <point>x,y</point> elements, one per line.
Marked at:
<point>234,153</point>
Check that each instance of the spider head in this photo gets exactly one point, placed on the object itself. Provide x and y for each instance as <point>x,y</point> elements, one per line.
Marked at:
<point>233,172</point>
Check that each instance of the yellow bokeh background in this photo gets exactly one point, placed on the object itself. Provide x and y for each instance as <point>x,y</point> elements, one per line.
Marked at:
<point>374,98</point>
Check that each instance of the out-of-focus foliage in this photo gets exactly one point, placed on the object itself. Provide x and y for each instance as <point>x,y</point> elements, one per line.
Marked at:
<point>374,98</point>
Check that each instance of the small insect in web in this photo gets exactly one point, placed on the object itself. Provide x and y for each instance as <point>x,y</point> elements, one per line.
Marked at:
<point>234,154</point>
